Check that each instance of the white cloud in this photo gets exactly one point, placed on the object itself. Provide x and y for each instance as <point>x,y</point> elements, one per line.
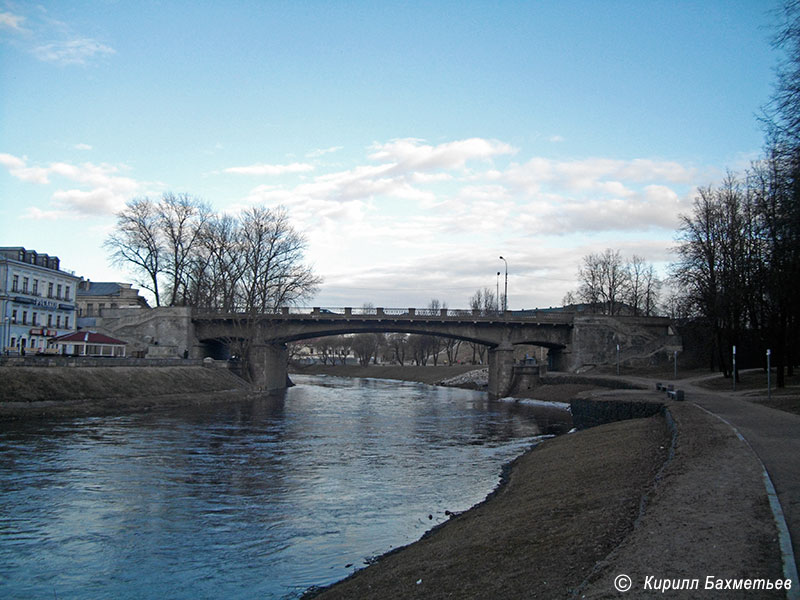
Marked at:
<point>18,168</point>
<point>82,147</point>
<point>12,21</point>
<point>411,154</point>
<point>264,169</point>
<point>105,193</point>
<point>591,173</point>
<point>323,151</point>
<point>72,52</point>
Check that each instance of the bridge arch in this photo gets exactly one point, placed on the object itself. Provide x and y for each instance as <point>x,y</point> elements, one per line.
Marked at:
<point>384,329</point>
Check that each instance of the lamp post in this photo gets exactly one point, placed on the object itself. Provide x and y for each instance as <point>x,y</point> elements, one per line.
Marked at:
<point>769,383</point>
<point>505,292</point>
<point>675,363</point>
<point>6,332</point>
<point>498,291</point>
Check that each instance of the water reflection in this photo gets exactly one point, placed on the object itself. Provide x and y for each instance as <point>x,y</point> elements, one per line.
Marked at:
<point>259,498</point>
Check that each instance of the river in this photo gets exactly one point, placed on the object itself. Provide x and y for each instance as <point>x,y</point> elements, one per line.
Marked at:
<point>253,499</point>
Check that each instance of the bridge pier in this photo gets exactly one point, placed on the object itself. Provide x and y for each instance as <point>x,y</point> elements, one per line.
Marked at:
<point>501,370</point>
<point>269,366</point>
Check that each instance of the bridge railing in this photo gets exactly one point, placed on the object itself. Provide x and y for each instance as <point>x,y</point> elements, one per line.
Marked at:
<point>410,313</point>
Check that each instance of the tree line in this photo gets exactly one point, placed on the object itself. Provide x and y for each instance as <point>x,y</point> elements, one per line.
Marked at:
<point>738,252</point>
<point>184,254</point>
<point>611,285</point>
<point>399,348</point>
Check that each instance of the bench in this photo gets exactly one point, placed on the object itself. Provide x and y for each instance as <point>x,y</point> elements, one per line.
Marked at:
<point>676,394</point>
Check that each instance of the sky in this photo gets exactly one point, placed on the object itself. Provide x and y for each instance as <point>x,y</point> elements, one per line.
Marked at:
<point>413,143</point>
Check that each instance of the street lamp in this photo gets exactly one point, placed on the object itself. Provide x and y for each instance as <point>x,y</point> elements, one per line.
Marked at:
<point>498,291</point>
<point>505,292</point>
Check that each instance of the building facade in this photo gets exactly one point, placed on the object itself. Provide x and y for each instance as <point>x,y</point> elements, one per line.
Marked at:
<point>37,300</point>
<point>93,297</point>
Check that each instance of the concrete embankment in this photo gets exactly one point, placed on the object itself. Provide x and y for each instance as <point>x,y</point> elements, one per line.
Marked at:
<point>37,391</point>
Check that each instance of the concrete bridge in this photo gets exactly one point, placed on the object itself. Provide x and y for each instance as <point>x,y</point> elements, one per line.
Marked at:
<point>572,340</point>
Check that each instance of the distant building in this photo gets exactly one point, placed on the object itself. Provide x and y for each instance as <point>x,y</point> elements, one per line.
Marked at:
<point>37,300</point>
<point>94,296</point>
<point>89,343</point>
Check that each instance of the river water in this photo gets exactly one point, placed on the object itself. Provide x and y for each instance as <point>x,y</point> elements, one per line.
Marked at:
<point>253,499</point>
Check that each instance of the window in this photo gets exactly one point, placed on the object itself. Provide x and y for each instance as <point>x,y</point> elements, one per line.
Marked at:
<point>35,287</point>
<point>50,289</point>
<point>24,285</point>
<point>66,293</point>
<point>58,291</point>
<point>66,322</point>
<point>50,320</point>
<point>34,317</point>
<point>58,321</point>
<point>15,283</point>
<point>24,317</point>
<point>14,316</point>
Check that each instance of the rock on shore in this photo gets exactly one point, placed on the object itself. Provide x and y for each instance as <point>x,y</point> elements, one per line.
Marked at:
<point>477,379</point>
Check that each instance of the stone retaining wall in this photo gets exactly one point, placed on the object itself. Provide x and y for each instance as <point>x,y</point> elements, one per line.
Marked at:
<point>587,412</point>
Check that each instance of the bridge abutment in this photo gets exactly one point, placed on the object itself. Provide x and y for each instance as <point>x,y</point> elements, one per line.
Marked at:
<point>501,370</point>
<point>269,366</point>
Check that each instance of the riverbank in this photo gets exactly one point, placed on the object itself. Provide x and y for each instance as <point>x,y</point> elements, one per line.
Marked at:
<point>428,374</point>
<point>556,387</point>
<point>72,391</point>
<point>670,496</point>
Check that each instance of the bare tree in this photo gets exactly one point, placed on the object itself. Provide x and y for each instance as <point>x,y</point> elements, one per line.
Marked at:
<point>452,346</point>
<point>398,343</point>
<point>181,222</point>
<point>641,292</point>
<point>603,280</point>
<point>483,302</point>
<point>365,346</point>
<point>136,242</point>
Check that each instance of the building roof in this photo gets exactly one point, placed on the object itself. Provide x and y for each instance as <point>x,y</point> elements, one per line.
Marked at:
<point>100,288</point>
<point>88,337</point>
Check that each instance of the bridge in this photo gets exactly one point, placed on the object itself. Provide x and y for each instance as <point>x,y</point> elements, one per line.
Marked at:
<point>572,339</point>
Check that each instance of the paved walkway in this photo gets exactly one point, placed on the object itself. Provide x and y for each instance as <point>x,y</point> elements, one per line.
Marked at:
<point>774,435</point>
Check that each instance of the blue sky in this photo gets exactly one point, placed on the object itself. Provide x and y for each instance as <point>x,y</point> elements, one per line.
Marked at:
<point>412,142</point>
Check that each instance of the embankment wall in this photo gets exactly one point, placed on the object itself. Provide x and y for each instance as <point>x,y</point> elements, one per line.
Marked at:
<point>589,412</point>
<point>66,383</point>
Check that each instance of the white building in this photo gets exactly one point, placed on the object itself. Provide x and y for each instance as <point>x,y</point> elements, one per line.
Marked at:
<point>37,300</point>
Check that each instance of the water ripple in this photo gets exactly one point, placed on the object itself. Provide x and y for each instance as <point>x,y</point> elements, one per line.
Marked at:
<point>262,498</point>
